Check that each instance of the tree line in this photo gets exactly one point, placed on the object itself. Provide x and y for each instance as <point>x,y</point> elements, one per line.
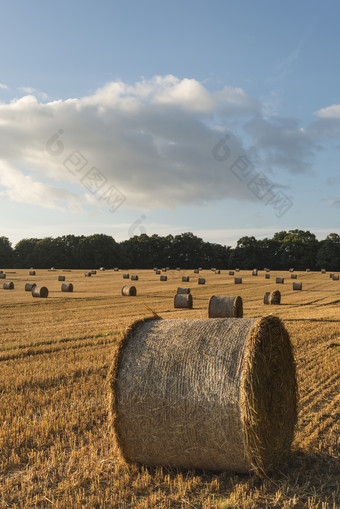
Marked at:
<point>296,249</point>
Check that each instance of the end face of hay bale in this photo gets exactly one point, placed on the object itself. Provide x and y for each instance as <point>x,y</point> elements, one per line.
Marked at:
<point>297,286</point>
<point>254,273</point>
<point>183,290</point>
<point>272,297</point>
<point>87,274</point>
<point>126,276</point>
<point>223,306</point>
<point>157,272</point>
<point>169,408</point>
<point>217,272</point>
<point>2,275</point>
<point>335,277</point>
<point>196,271</point>
<point>102,268</point>
<point>29,287</point>
<point>293,276</point>
<point>129,291</point>
<point>40,291</point>
<point>134,277</point>
<point>185,279</point>
<point>163,278</point>
<point>238,280</point>
<point>201,281</point>
<point>183,300</point>
<point>231,273</point>
<point>8,286</point>
<point>32,273</point>
<point>291,270</point>
<point>280,280</point>
<point>116,269</point>
<point>61,278</point>
<point>323,271</point>
<point>267,276</point>
<point>67,287</point>
<point>93,272</point>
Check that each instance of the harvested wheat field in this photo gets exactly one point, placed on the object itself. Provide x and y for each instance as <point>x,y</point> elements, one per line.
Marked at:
<point>56,445</point>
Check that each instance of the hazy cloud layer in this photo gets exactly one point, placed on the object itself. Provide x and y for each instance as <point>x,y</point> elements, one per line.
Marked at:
<point>153,141</point>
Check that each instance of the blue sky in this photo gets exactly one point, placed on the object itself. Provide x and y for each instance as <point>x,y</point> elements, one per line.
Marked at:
<point>111,114</point>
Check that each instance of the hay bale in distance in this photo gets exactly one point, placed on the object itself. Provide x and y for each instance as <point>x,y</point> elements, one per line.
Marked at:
<point>129,291</point>
<point>167,407</point>
<point>217,272</point>
<point>183,300</point>
<point>223,306</point>
<point>9,285</point>
<point>183,290</point>
<point>196,271</point>
<point>291,270</point>
<point>29,287</point>
<point>163,278</point>
<point>254,273</point>
<point>293,276</point>
<point>335,277</point>
<point>307,270</point>
<point>267,276</point>
<point>297,286</point>
<point>185,279</point>
<point>237,270</point>
<point>158,272</point>
<point>102,268</point>
<point>201,281</point>
<point>115,269</point>
<point>67,287</point>
<point>126,276</point>
<point>280,280</point>
<point>134,277</point>
<point>87,274</point>
<point>93,272</point>
<point>331,275</point>
<point>323,271</point>
<point>61,278</point>
<point>32,273</point>
<point>178,268</point>
<point>40,291</point>
<point>272,297</point>
<point>238,280</point>
<point>2,275</point>
<point>231,273</point>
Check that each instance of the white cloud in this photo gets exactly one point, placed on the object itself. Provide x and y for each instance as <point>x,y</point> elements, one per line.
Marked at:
<point>27,90</point>
<point>329,112</point>
<point>4,87</point>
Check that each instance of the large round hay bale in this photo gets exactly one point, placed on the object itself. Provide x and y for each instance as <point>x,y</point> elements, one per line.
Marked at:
<point>32,273</point>
<point>2,275</point>
<point>208,394</point>
<point>61,278</point>
<point>163,278</point>
<point>237,270</point>
<point>182,300</point>
<point>266,269</point>
<point>8,285</point>
<point>307,270</point>
<point>67,287</point>
<point>217,271</point>
<point>185,279</point>
<point>183,290</point>
<point>29,287</point>
<point>102,268</point>
<point>126,276</point>
<point>291,270</point>
<point>164,269</point>
<point>231,273</point>
<point>272,297</point>
<point>335,277</point>
<point>267,276</point>
<point>280,280</point>
<point>116,269</point>
<point>129,291</point>
<point>223,306</point>
<point>293,276</point>
<point>93,272</point>
<point>323,271</point>
<point>158,272</point>
<point>238,280</point>
<point>134,277</point>
<point>87,274</point>
<point>297,286</point>
<point>196,271</point>
<point>254,273</point>
<point>201,281</point>
<point>40,291</point>
<point>178,268</point>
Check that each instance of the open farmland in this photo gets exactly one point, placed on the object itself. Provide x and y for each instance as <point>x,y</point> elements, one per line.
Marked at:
<point>55,443</point>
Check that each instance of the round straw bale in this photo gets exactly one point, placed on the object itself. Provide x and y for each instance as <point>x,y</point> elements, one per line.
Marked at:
<point>238,280</point>
<point>178,268</point>
<point>116,269</point>
<point>61,278</point>
<point>323,271</point>
<point>129,291</point>
<point>254,273</point>
<point>134,277</point>
<point>155,268</point>
<point>231,273</point>
<point>280,280</point>
<point>32,273</point>
<point>67,287</point>
<point>102,268</point>
<point>163,278</point>
<point>267,270</point>
<point>8,285</point>
<point>2,276</point>
<point>291,270</point>
<point>196,271</point>
<point>126,276</point>
<point>237,270</point>
<point>236,410</point>
<point>183,290</point>
<point>223,306</point>
<point>213,269</point>
<point>182,300</point>
<point>293,276</point>
<point>201,281</point>
<point>272,297</point>
<point>267,276</point>
<point>40,291</point>
<point>158,272</point>
<point>164,269</point>
<point>297,286</point>
<point>331,275</point>
<point>87,274</point>
<point>185,279</point>
<point>217,272</point>
<point>29,287</point>
<point>335,277</point>
<point>93,271</point>
<point>307,270</point>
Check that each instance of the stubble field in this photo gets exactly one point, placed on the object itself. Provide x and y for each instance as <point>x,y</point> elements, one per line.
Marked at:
<point>56,448</point>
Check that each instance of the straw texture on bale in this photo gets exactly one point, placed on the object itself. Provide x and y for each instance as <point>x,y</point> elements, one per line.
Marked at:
<point>335,277</point>
<point>67,287</point>
<point>231,273</point>
<point>2,275</point>
<point>183,290</point>
<point>280,280</point>
<point>32,273</point>
<point>61,278</point>
<point>223,306</point>
<point>238,280</point>
<point>201,281</point>
<point>293,276</point>
<point>183,300</point>
<point>40,291</point>
<point>8,286</point>
<point>185,279</point>
<point>134,277</point>
<point>129,291</point>
<point>267,276</point>
<point>87,274</point>
<point>29,287</point>
<point>126,276</point>
<point>272,297</point>
<point>297,286</point>
<point>213,394</point>
<point>163,278</point>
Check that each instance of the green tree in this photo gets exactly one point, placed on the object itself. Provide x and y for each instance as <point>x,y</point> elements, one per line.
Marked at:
<point>6,253</point>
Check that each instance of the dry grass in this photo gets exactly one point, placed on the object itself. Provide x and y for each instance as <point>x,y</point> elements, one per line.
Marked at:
<point>56,449</point>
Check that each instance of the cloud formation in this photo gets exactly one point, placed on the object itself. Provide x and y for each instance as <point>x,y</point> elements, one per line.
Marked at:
<point>152,140</point>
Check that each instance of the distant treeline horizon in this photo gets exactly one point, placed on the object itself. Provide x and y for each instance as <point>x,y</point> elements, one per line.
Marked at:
<point>296,249</point>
